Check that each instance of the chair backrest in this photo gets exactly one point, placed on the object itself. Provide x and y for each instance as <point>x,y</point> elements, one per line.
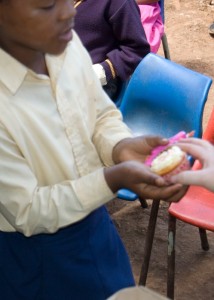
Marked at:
<point>208,135</point>
<point>119,99</point>
<point>164,97</point>
<point>209,130</point>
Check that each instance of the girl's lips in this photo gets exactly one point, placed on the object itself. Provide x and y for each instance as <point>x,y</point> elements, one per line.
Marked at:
<point>66,35</point>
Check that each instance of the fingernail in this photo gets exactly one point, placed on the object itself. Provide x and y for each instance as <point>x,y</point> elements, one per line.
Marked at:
<point>160,181</point>
<point>165,140</point>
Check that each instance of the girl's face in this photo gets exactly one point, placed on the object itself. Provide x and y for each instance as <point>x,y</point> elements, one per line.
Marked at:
<point>31,27</point>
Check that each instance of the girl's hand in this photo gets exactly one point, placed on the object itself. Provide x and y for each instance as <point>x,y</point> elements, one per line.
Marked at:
<point>138,178</point>
<point>136,148</point>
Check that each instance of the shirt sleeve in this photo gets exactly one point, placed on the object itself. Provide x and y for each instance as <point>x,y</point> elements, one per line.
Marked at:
<point>109,131</point>
<point>43,186</point>
<point>108,128</point>
<point>31,208</point>
<point>133,45</point>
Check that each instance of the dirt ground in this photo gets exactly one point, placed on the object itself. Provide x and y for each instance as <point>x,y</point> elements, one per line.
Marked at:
<point>190,45</point>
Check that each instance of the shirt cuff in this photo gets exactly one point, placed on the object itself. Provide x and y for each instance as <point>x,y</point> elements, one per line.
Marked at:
<point>92,193</point>
<point>100,72</point>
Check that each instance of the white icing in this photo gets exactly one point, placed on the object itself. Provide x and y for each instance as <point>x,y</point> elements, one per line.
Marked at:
<point>168,158</point>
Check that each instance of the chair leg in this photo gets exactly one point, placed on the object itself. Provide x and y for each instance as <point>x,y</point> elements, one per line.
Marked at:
<point>165,46</point>
<point>204,241</point>
<point>171,256</point>
<point>143,203</point>
<point>149,241</point>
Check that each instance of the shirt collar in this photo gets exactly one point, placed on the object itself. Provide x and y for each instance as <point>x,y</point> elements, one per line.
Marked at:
<point>12,72</point>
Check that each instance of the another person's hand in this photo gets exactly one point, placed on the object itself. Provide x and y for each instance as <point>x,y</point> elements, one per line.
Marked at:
<point>204,152</point>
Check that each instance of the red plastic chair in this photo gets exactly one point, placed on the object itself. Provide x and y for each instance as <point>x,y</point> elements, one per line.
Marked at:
<point>195,208</point>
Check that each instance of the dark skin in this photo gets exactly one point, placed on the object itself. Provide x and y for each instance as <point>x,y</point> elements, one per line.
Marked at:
<point>130,172</point>
<point>31,28</point>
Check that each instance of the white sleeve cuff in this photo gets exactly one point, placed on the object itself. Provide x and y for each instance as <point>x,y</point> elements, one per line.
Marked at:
<point>100,72</point>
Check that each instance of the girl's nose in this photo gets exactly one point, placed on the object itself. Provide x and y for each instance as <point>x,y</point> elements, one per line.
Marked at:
<point>67,10</point>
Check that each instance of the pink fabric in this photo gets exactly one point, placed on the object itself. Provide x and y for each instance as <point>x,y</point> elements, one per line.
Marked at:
<point>156,151</point>
<point>152,24</point>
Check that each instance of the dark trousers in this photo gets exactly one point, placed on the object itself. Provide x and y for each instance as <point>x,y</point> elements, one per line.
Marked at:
<point>85,261</point>
<point>113,88</point>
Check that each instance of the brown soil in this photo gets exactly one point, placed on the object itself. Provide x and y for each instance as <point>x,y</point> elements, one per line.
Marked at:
<point>190,44</point>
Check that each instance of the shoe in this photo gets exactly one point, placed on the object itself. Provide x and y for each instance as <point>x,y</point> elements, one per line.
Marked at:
<point>211,29</point>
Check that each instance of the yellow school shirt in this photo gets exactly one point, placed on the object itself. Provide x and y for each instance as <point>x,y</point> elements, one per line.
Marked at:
<point>56,135</point>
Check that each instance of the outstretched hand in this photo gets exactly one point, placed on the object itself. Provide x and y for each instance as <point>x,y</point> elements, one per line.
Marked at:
<point>137,177</point>
<point>130,172</point>
<point>204,152</point>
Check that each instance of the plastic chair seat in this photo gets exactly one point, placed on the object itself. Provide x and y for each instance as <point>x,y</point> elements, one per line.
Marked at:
<point>195,208</point>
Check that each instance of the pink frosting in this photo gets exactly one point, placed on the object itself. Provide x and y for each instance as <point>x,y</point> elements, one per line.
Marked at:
<point>159,149</point>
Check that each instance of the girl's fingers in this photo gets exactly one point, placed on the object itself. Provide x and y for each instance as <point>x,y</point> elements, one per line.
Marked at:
<point>161,193</point>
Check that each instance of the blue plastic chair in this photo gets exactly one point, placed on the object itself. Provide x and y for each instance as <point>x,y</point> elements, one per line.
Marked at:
<point>163,98</point>
<point>121,94</point>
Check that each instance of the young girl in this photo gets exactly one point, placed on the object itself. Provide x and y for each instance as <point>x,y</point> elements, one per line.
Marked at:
<point>64,153</point>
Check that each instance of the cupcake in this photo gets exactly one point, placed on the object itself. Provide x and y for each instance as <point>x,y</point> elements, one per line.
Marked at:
<point>170,162</point>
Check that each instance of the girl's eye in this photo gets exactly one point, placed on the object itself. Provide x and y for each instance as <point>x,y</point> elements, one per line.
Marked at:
<point>49,6</point>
